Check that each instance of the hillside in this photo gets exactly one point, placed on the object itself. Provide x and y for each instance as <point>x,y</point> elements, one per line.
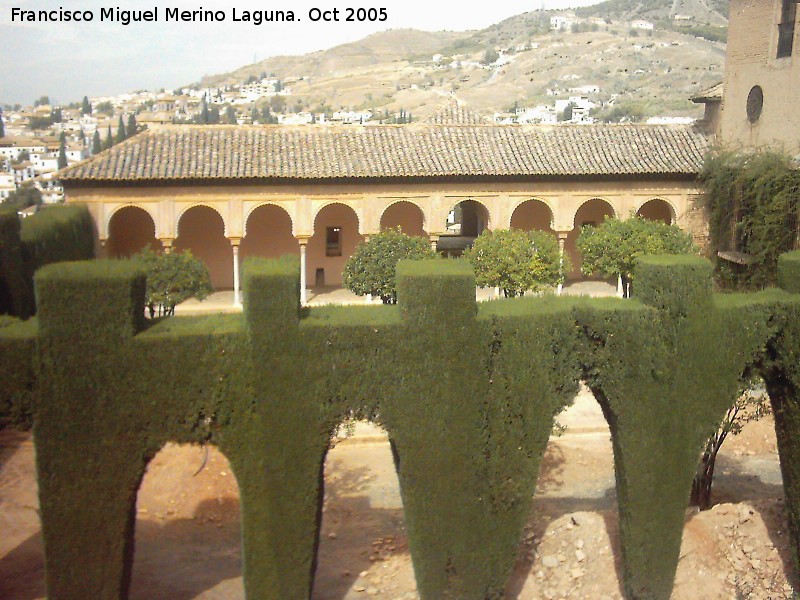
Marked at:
<point>700,12</point>
<point>655,72</point>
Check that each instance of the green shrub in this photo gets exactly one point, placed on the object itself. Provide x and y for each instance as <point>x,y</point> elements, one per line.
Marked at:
<point>371,268</point>
<point>171,279</point>
<point>613,247</point>
<point>516,261</point>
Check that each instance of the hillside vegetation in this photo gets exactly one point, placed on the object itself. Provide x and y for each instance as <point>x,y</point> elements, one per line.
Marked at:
<point>518,61</point>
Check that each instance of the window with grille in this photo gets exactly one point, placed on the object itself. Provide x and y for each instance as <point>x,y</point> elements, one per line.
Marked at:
<point>786,28</point>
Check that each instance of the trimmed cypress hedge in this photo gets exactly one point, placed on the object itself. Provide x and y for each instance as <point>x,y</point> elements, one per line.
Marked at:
<point>12,282</point>
<point>53,234</point>
<point>467,396</point>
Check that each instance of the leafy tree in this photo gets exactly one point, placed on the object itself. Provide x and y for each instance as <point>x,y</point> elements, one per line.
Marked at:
<point>42,101</point>
<point>254,115</point>
<point>371,268</point>
<point>752,405</point>
<point>171,279</point>
<point>213,115</point>
<point>105,107</point>
<point>62,151</point>
<point>567,114</point>
<point>36,123</point>
<point>278,86</point>
<point>132,128</point>
<point>613,248</point>
<point>278,103</point>
<point>97,147</point>
<point>23,156</point>
<point>490,56</point>
<point>86,107</point>
<point>24,196</point>
<point>516,261</point>
<point>56,116</point>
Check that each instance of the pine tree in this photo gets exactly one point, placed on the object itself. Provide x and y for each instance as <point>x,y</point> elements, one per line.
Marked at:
<point>86,107</point>
<point>109,141</point>
<point>97,147</point>
<point>62,151</point>
<point>120,131</point>
<point>133,127</point>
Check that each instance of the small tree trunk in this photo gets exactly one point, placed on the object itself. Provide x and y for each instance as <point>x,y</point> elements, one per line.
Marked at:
<point>704,478</point>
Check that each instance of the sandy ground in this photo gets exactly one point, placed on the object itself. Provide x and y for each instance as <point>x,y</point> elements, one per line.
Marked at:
<point>188,526</point>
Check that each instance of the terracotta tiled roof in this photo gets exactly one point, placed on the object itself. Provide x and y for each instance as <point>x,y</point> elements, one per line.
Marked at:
<point>712,93</point>
<point>453,114</point>
<point>317,152</point>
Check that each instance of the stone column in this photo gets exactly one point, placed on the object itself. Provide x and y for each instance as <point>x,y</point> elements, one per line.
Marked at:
<point>562,241</point>
<point>303,292</point>
<point>237,296</point>
<point>167,243</point>
<point>434,238</point>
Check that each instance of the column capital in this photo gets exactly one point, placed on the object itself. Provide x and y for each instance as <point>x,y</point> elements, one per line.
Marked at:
<point>235,241</point>
<point>303,239</point>
<point>562,235</point>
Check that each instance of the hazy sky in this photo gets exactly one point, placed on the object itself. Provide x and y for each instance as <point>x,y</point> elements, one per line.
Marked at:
<point>69,60</point>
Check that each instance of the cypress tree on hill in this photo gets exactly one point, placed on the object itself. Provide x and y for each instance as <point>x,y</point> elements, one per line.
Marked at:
<point>97,147</point>
<point>86,107</point>
<point>109,141</point>
<point>120,131</point>
<point>62,151</point>
<point>2,127</point>
<point>133,126</point>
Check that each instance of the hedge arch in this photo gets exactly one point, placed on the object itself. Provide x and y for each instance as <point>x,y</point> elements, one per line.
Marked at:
<point>130,229</point>
<point>532,214</point>
<point>176,470</point>
<point>657,209</point>
<point>201,229</point>
<point>404,214</point>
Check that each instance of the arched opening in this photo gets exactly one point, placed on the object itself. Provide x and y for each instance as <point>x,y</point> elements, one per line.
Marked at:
<point>268,233</point>
<point>532,215</point>
<point>188,531</point>
<point>572,524</point>
<point>590,214</point>
<point>465,221</point>
<point>405,215</point>
<point>363,539</point>
<point>202,230</point>
<point>131,229</point>
<point>657,210</point>
<point>335,238</point>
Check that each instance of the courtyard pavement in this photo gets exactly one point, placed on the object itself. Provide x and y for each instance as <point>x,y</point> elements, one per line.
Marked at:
<point>222,302</point>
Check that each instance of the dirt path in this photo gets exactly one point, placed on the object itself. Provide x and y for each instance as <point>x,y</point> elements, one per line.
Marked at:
<point>188,526</point>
